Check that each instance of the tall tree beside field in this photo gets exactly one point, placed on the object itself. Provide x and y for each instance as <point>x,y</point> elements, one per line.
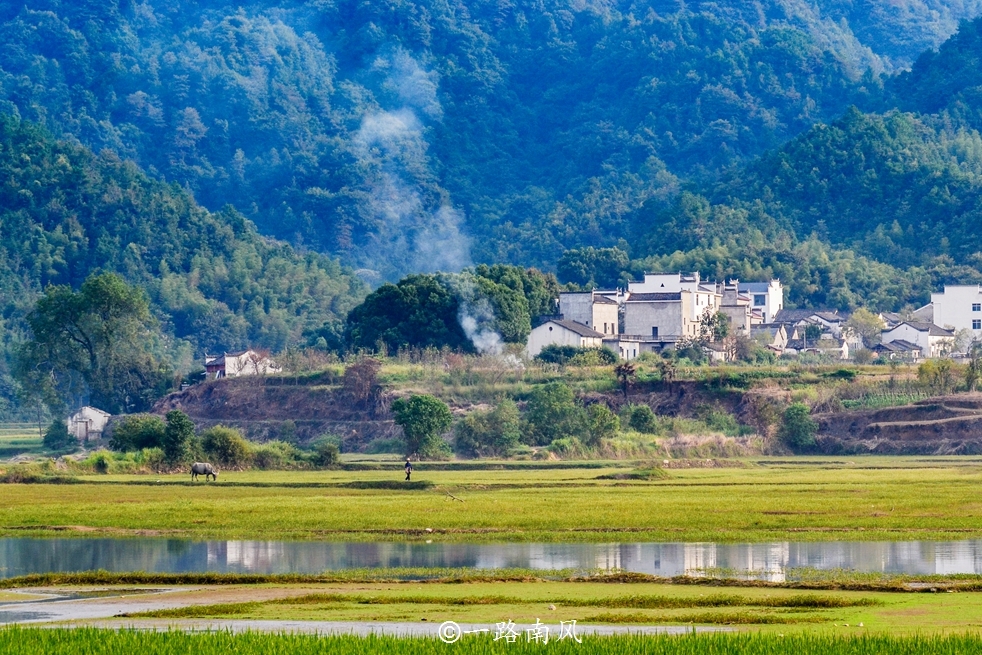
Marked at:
<point>179,441</point>
<point>423,419</point>
<point>96,342</point>
<point>798,429</point>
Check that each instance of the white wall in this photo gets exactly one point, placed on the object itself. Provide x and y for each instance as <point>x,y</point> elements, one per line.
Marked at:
<point>953,308</point>
<point>577,307</point>
<point>550,333</point>
<point>640,317</point>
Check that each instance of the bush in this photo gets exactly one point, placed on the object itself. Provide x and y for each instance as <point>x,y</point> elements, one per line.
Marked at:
<point>179,442</point>
<point>137,432</point>
<point>326,455</point>
<point>603,423</point>
<point>798,429</point>
<point>489,434</point>
<point>276,455</point>
<point>576,355</point>
<point>226,446</point>
<point>642,419</point>
<point>552,413</point>
<point>566,447</point>
<point>100,463</point>
<point>385,447</point>
<point>58,438</point>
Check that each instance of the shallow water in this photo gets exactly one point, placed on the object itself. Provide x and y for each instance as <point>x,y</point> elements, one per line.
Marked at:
<point>770,561</point>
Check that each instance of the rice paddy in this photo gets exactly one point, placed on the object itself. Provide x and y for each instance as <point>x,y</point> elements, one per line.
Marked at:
<point>801,499</point>
<point>92,642</point>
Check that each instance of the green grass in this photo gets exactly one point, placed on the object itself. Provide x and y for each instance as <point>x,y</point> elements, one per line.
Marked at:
<point>19,439</point>
<point>99,642</point>
<point>768,499</point>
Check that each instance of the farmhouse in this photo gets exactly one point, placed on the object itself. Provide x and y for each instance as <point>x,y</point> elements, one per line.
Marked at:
<point>245,362</point>
<point>932,340</point>
<point>88,423</point>
<point>958,307</point>
<point>593,309</point>
<point>563,333</point>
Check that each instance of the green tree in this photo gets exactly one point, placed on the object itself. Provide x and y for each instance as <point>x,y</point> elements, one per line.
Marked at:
<point>226,446</point>
<point>136,432</point>
<point>97,337</point>
<point>625,372</point>
<point>714,327</point>
<point>489,434</point>
<point>593,267</point>
<point>551,413</point>
<point>798,429</point>
<point>423,419</point>
<point>938,375</point>
<point>867,325</point>
<point>58,438</point>
<point>179,440</point>
<point>642,419</point>
<point>973,370</point>
<point>603,424</point>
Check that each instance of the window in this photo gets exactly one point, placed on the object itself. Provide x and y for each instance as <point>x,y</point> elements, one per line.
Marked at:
<point>760,300</point>
<point>977,307</point>
<point>977,324</point>
<point>654,331</point>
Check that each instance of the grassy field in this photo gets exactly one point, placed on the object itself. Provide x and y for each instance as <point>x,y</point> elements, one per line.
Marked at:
<point>800,499</point>
<point>93,642</point>
<point>19,439</point>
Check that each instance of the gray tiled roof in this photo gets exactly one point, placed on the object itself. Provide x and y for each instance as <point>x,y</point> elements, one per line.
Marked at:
<point>652,297</point>
<point>579,329</point>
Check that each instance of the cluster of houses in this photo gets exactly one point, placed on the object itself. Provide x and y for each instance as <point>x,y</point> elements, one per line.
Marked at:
<point>665,310</point>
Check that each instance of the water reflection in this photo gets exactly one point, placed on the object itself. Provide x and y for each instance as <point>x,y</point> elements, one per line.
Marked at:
<point>768,561</point>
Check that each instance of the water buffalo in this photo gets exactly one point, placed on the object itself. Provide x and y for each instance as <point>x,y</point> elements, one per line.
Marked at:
<point>201,468</point>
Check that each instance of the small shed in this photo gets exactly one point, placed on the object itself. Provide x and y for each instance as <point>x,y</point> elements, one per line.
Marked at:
<point>88,423</point>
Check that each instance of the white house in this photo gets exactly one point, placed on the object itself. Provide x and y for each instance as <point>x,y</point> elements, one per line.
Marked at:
<point>772,336</point>
<point>245,362</point>
<point>626,347</point>
<point>768,297</point>
<point>593,309</point>
<point>831,322</point>
<point>88,423</point>
<point>931,339</point>
<point>563,333</point>
<point>673,315</point>
<point>958,307</point>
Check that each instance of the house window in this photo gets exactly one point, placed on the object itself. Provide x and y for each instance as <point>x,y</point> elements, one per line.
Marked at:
<point>760,300</point>
<point>977,324</point>
<point>654,331</point>
<point>977,307</point>
<point>605,328</point>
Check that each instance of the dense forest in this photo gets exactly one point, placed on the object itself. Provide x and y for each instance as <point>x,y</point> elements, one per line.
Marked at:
<point>834,144</point>
<point>413,136</point>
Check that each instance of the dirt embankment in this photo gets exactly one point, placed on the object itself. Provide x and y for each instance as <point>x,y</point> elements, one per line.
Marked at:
<point>272,408</point>
<point>949,425</point>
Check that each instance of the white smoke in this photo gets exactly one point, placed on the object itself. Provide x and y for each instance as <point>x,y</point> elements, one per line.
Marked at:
<point>476,316</point>
<point>417,229</point>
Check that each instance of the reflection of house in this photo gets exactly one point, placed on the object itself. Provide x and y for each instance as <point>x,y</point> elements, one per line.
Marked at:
<point>246,362</point>
<point>592,308</point>
<point>931,339</point>
<point>562,333</point>
<point>88,423</point>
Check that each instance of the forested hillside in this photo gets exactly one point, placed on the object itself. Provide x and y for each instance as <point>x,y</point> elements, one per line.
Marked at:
<point>412,136</point>
<point>213,282</point>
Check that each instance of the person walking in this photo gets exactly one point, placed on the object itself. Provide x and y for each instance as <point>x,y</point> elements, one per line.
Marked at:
<point>409,469</point>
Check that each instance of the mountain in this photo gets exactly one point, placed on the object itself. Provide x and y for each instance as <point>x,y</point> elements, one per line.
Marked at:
<point>413,136</point>
<point>214,282</point>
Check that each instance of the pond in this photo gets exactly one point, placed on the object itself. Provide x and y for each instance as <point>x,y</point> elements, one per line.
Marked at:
<point>768,561</point>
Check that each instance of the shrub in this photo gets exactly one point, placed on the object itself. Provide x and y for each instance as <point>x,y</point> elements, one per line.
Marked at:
<point>603,424</point>
<point>385,447</point>
<point>489,434</point>
<point>137,432</point>
<point>179,442</point>
<point>226,447</point>
<point>552,413</point>
<point>326,455</point>
<point>798,429</point>
<point>275,455</point>
<point>642,419</point>
<point>576,355</point>
<point>58,438</point>
<point>566,446</point>
<point>100,463</point>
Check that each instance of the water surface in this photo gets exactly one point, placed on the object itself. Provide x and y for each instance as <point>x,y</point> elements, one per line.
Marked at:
<point>770,561</point>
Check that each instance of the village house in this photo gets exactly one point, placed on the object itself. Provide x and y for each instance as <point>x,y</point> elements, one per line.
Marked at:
<point>592,309</point>
<point>932,340</point>
<point>773,336</point>
<point>737,308</point>
<point>767,298</point>
<point>898,349</point>
<point>88,423</point>
<point>958,307</point>
<point>245,362</point>
<point>830,346</point>
<point>831,322</point>
<point>563,333</point>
